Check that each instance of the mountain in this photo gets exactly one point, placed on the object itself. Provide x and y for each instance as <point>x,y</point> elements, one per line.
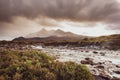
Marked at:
<point>107,42</point>
<point>49,36</point>
<point>57,33</point>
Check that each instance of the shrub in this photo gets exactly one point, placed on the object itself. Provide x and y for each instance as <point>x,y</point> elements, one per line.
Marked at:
<point>36,65</point>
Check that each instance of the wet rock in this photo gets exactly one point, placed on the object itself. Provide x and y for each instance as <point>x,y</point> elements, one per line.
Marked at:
<point>117,66</point>
<point>105,76</point>
<point>82,51</point>
<point>100,63</point>
<point>95,52</point>
<point>102,53</point>
<point>114,78</point>
<point>117,72</point>
<point>87,61</point>
<point>94,71</point>
<point>86,51</point>
<point>100,67</point>
<point>100,77</point>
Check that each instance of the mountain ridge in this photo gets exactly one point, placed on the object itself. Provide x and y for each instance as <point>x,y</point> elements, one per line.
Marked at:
<point>47,33</point>
<point>107,42</point>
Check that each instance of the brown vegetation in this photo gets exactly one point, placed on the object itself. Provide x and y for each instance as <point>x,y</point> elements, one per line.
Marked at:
<point>35,65</point>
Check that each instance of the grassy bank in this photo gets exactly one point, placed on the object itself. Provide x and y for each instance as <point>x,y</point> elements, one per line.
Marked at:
<point>35,65</point>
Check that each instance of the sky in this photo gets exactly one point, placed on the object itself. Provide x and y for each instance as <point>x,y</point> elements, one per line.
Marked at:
<point>84,17</point>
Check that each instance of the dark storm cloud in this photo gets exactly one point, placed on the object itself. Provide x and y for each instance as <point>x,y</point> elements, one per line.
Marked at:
<point>91,11</point>
<point>78,10</point>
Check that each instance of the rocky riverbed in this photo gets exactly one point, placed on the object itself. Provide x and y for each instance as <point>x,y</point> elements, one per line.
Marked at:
<point>105,63</point>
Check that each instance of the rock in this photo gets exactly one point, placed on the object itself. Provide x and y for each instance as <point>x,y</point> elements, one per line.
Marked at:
<point>117,66</point>
<point>102,53</point>
<point>114,78</point>
<point>117,72</point>
<point>87,61</point>
<point>100,66</point>
<point>94,71</point>
<point>100,77</point>
<point>86,51</point>
<point>82,51</point>
<point>95,52</point>
<point>100,63</point>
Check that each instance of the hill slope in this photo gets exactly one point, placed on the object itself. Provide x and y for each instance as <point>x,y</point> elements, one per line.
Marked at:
<point>110,42</point>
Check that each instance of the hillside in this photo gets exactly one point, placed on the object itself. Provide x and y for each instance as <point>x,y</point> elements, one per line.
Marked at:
<point>110,42</point>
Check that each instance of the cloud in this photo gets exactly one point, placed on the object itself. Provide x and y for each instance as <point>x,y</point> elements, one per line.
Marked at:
<point>48,13</point>
<point>79,10</point>
<point>47,22</point>
<point>20,26</point>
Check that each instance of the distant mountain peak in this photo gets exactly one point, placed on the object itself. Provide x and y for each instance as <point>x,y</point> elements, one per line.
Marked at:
<point>47,33</point>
